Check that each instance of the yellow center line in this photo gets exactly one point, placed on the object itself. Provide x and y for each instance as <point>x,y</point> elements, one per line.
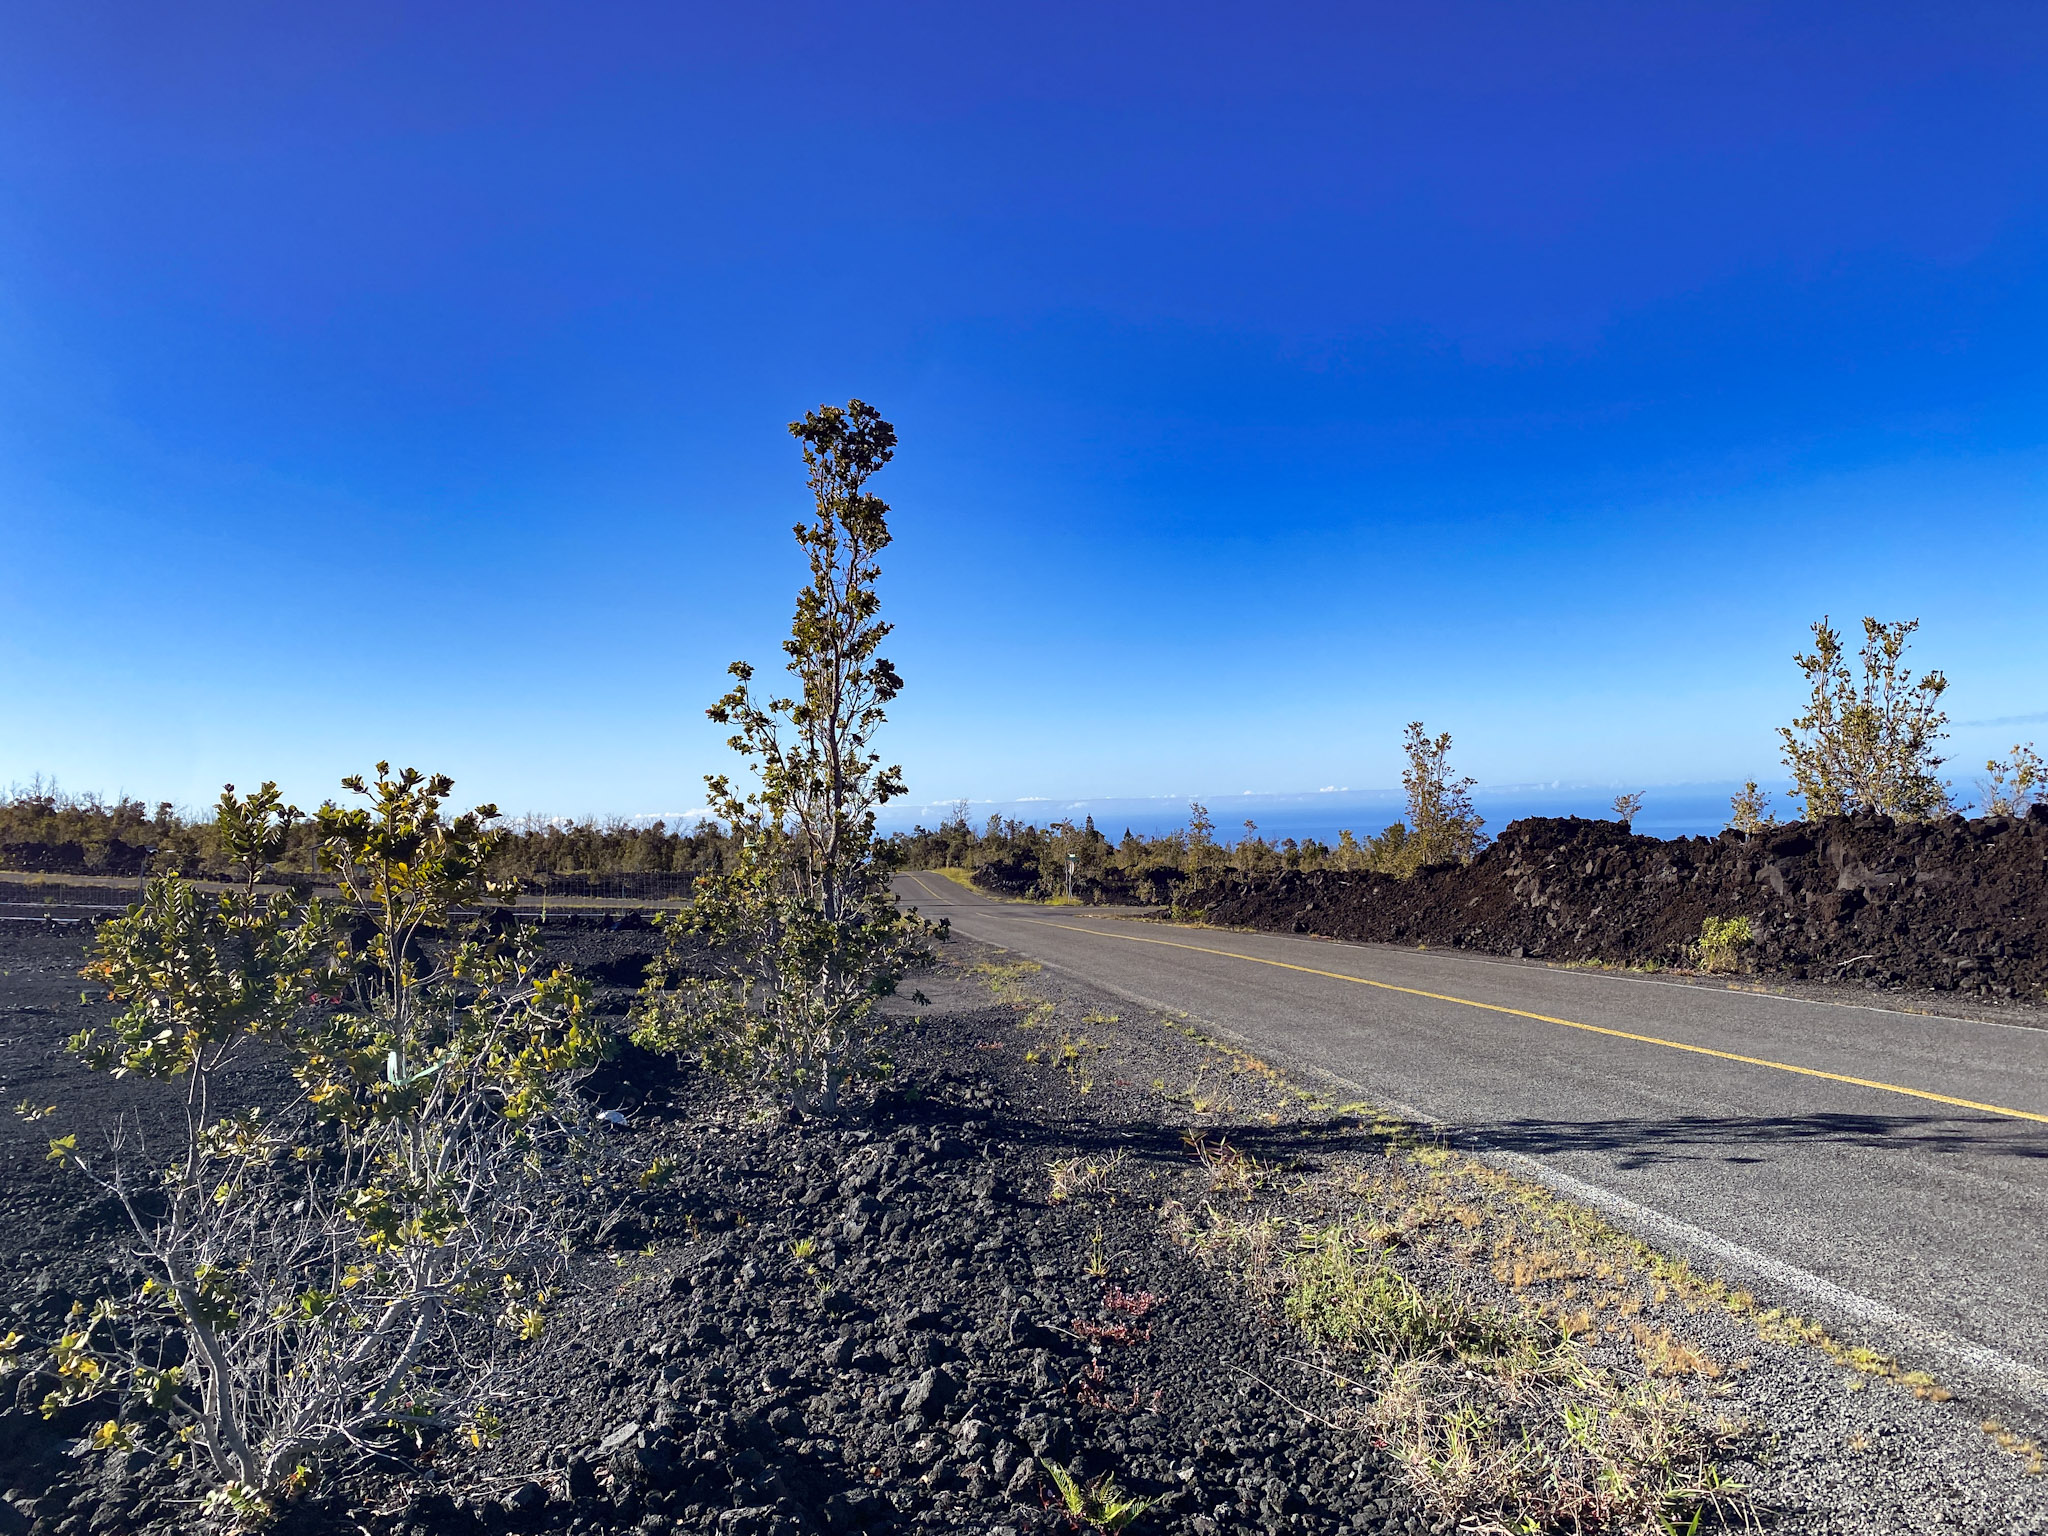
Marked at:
<point>923,887</point>
<point>1544,1018</point>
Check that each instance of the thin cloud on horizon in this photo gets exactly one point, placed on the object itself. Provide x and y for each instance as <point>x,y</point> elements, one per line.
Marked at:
<point>2038,718</point>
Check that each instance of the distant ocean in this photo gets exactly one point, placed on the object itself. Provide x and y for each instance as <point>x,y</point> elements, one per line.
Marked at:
<point>1669,810</point>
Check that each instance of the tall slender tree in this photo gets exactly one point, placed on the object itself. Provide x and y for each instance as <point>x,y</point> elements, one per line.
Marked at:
<point>806,939</point>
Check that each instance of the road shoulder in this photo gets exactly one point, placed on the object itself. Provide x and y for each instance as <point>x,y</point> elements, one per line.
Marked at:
<point>1844,1438</point>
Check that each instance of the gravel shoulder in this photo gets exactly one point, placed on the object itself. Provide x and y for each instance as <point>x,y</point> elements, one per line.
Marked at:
<point>1825,1436</point>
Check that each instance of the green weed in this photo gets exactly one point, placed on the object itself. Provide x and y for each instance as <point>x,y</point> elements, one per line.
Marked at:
<point>1721,943</point>
<point>1100,1504</point>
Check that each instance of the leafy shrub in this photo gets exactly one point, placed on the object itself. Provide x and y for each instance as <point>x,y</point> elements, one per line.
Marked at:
<point>2017,783</point>
<point>1442,825</point>
<point>1867,745</point>
<point>1750,812</point>
<point>1721,943</point>
<point>311,1272</point>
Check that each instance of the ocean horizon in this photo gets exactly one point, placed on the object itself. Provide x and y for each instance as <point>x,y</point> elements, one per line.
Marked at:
<point>1670,810</point>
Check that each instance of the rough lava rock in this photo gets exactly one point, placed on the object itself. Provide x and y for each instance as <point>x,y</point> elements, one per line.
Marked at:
<point>1950,905</point>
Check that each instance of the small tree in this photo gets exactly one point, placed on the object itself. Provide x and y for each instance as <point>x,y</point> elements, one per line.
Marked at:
<point>1251,851</point>
<point>1203,854</point>
<point>1442,824</point>
<point>805,938</point>
<point>1868,745</point>
<point>313,1266</point>
<point>1750,812</point>
<point>2016,785</point>
<point>958,834</point>
<point>1391,852</point>
<point>254,831</point>
<point>1626,808</point>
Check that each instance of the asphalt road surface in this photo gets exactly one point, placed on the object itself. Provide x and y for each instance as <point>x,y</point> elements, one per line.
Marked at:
<point>1887,1172</point>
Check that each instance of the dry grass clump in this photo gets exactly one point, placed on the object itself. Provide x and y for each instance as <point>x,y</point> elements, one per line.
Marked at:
<point>1231,1172</point>
<point>1202,1095</point>
<point>1338,1290</point>
<point>1550,1443</point>
<point>1071,1176</point>
<point>1006,979</point>
<point>1495,1412</point>
<point>1071,1051</point>
<point>2016,1444</point>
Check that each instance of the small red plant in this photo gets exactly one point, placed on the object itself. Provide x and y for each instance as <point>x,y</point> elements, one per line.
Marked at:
<point>1091,1388</point>
<point>1133,1307</point>
<point>1111,1333</point>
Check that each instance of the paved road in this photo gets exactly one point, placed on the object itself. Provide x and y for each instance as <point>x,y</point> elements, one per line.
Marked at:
<point>1920,1221</point>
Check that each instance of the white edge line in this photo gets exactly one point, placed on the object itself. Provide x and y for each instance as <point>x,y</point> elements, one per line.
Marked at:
<point>1920,1335</point>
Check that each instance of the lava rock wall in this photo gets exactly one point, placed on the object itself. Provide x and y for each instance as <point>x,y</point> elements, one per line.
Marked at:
<point>1952,905</point>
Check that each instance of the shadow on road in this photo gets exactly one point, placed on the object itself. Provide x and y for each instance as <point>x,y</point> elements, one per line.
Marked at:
<point>1641,1142</point>
<point>1751,1138</point>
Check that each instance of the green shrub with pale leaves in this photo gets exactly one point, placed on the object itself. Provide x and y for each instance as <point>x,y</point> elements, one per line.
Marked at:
<point>1723,943</point>
<point>337,1276</point>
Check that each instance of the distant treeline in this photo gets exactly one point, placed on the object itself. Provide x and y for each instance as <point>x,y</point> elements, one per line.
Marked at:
<point>1065,860</point>
<point>1022,859</point>
<point>44,830</point>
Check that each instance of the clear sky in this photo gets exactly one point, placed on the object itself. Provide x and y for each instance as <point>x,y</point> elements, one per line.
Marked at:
<point>411,381</point>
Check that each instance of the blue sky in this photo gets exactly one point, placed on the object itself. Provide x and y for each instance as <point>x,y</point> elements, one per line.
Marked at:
<point>411,382</point>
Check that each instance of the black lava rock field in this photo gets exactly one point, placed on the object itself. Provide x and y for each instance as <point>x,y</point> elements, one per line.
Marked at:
<point>880,1323</point>
<point>1949,905</point>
